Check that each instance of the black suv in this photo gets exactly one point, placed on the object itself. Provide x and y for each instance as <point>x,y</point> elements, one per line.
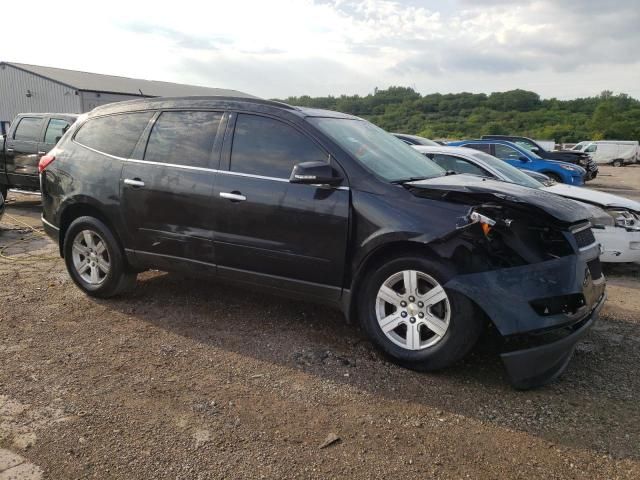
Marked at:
<point>325,206</point>
<point>30,136</point>
<point>577,158</point>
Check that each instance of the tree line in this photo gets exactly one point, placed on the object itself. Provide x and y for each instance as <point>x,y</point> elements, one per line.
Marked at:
<point>470,115</point>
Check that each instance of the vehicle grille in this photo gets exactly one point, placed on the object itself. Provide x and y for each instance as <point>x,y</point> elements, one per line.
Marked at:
<point>595,268</point>
<point>584,237</point>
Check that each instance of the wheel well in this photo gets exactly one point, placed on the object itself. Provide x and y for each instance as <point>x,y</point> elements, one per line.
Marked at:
<point>385,253</point>
<point>378,257</point>
<point>78,210</point>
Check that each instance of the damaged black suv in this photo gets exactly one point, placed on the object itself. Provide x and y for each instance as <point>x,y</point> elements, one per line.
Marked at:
<point>325,206</point>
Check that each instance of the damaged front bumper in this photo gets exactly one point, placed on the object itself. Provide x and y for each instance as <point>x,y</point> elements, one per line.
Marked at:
<point>541,310</point>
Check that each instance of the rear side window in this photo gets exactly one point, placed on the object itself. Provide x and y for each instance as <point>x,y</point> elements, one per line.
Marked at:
<point>28,129</point>
<point>183,138</point>
<point>483,147</point>
<point>55,130</point>
<point>114,134</point>
<point>268,147</point>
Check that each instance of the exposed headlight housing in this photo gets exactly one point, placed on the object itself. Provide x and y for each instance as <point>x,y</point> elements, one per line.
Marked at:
<point>625,219</point>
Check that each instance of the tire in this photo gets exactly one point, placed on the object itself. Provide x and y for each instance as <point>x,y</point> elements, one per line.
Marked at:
<point>617,163</point>
<point>431,350</point>
<point>3,191</point>
<point>554,176</point>
<point>96,264</point>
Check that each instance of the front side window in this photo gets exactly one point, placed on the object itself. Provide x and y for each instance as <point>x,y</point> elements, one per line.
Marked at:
<point>268,147</point>
<point>55,130</point>
<point>28,130</point>
<point>591,148</point>
<point>114,134</point>
<point>504,152</point>
<point>377,150</point>
<point>458,165</point>
<point>527,145</point>
<point>183,138</point>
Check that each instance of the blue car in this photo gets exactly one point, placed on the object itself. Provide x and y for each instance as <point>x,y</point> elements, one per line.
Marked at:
<point>524,159</point>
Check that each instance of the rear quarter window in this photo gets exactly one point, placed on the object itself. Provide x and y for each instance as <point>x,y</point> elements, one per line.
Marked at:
<point>113,134</point>
<point>28,129</point>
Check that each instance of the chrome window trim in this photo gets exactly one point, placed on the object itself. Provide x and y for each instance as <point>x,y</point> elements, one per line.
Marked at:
<point>174,165</point>
<point>199,169</point>
<point>98,151</point>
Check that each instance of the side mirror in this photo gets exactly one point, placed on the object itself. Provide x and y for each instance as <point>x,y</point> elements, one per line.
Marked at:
<point>535,149</point>
<point>314,173</point>
<point>523,159</point>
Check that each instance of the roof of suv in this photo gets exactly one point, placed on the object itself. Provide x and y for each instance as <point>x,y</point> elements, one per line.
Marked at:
<point>214,102</point>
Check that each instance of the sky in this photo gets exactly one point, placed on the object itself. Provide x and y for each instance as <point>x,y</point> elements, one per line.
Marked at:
<point>281,48</point>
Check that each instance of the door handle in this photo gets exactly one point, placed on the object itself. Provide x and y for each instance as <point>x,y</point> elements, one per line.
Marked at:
<point>134,182</point>
<point>10,150</point>
<point>41,152</point>
<point>233,196</point>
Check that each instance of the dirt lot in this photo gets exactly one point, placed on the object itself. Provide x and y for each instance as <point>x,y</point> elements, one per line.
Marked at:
<point>187,379</point>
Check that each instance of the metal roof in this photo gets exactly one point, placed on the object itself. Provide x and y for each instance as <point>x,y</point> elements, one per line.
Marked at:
<point>97,82</point>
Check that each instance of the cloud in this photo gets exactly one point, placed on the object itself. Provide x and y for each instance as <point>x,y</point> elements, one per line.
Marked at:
<point>281,48</point>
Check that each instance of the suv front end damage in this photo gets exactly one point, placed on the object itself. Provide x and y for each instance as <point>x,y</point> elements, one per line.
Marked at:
<point>533,269</point>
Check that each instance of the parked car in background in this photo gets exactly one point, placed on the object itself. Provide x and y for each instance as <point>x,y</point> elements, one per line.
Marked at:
<point>577,158</point>
<point>522,158</point>
<point>30,136</point>
<point>613,152</point>
<point>615,220</point>
<point>414,139</point>
<point>326,206</point>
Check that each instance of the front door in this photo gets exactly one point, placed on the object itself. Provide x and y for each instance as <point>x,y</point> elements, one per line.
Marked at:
<point>166,194</point>
<point>22,154</point>
<point>271,231</point>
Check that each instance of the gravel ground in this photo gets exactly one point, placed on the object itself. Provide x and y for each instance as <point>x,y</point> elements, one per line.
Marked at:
<point>185,379</point>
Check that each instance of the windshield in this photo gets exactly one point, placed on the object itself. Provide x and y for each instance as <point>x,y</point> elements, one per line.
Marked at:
<point>511,173</point>
<point>382,153</point>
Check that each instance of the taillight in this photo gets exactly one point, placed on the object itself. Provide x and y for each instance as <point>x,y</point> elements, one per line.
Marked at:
<point>44,162</point>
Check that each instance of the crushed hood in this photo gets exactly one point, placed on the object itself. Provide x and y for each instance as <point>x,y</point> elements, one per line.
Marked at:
<point>474,190</point>
<point>594,197</point>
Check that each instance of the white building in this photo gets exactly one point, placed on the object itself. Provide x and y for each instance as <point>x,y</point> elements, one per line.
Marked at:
<point>33,88</point>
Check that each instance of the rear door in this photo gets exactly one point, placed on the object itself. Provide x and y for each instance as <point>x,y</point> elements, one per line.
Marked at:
<point>167,188</point>
<point>21,152</point>
<point>268,230</point>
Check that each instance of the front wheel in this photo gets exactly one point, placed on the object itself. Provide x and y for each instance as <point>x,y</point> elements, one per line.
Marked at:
<point>411,317</point>
<point>3,191</point>
<point>95,260</point>
<point>617,163</point>
<point>555,177</point>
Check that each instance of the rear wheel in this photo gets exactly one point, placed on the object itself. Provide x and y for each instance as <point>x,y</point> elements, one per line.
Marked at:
<point>3,191</point>
<point>409,315</point>
<point>95,260</point>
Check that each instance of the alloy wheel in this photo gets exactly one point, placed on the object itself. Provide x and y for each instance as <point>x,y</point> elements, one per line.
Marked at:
<point>91,257</point>
<point>413,310</point>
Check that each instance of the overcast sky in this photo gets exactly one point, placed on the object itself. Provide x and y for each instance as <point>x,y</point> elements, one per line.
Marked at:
<point>278,48</point>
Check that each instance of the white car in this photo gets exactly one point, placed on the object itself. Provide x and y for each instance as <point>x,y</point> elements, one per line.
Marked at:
<point>615,219</point>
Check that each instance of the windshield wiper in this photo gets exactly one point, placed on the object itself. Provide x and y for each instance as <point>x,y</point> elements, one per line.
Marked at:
<point>418,178</point>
